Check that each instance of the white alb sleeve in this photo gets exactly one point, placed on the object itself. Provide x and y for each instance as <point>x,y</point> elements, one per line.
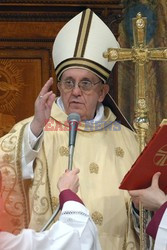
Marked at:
<point>30,148</point>
<point>75,230</point>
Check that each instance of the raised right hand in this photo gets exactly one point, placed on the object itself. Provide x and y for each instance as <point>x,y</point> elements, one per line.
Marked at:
<point>43,105</point>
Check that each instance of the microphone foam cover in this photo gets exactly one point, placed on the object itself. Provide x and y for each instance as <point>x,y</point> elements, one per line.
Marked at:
<point>73,117</point>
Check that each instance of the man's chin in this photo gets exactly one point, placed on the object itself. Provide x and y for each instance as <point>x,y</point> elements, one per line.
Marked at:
<point>74,110</point>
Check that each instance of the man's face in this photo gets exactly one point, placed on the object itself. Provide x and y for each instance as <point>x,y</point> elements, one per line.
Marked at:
<point>82,102</point>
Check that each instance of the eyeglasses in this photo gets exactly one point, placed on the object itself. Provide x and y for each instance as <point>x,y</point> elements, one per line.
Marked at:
<point>84,85</point>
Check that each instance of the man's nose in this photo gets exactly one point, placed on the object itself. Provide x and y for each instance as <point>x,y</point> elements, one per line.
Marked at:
<point>76,90</point>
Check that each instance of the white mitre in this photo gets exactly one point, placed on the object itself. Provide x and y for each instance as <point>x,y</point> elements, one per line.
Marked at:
<point>81,44</point>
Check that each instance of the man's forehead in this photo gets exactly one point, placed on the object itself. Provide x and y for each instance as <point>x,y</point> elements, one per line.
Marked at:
<point>79,72</point>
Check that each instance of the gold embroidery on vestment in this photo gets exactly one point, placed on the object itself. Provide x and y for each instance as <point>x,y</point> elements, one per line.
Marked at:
<point>12,191</point>
<point>9,143</point>
<point>40,204</point>
<point>97,218</point>
<point>94,168</point>
<point>7,158</point>
<point>40,221</point>
<point>129,245</point>
<point>63,151</point>
<point>16,222</point>
<point>55,202</point>
<point>119,152</point>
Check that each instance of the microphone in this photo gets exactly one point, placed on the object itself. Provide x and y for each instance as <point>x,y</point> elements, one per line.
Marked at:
<point>73,120</point>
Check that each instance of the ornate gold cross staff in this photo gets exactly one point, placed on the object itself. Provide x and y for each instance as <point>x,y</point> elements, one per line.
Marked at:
<point>140,54</point>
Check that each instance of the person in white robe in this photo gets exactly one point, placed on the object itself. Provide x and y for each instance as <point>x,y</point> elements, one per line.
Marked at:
<point>74,230</point>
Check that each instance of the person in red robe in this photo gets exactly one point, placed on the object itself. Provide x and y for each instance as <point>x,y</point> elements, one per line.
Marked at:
<point>154,199</point>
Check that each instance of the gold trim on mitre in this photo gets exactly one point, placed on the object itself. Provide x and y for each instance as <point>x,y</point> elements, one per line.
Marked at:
<point>83,33</point>
<point>96,68</point>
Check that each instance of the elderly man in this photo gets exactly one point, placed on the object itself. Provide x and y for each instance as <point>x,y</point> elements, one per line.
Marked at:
<point>70,232</point>
<point>37,148</point>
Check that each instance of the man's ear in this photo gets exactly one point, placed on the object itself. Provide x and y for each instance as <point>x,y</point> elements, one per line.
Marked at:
<point>104,90</point>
